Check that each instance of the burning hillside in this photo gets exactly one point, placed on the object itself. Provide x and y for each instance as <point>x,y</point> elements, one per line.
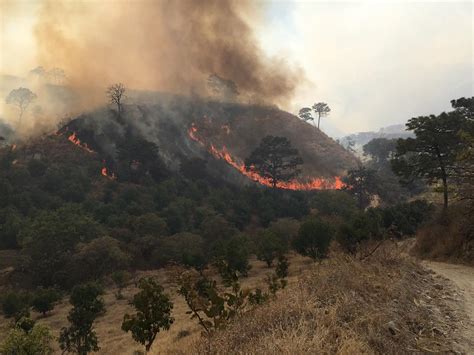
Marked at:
<point>223,153</point>
<point>184,129</point>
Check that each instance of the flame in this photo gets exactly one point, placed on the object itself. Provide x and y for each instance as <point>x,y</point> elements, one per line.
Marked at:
<point>223,153</point>
<point>105,173</point>
<point>73,138</point>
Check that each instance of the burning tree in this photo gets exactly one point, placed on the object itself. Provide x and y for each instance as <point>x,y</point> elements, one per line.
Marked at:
<point>115,93</point>
<point>21,98</point>
<point>322,109</point>
<point>275,159</point>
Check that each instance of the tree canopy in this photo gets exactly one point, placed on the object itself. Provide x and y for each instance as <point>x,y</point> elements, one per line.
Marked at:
<point>275,159</point>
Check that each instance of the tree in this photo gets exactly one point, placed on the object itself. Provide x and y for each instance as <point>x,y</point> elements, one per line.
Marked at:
<point>153,313</point>
<point>305,114</point>
<point>381,150</point>
<point>362,183</point>
<point>269,246</point>
<point>313,239</point>
<point>15,304</point>
<point>120,278</point>
<point>35,340</point>
<point>275,160</point>
<point>21,98</point>
<point>44,300</point>
<point>432,154</point>
<point>98,258</point>
<point>321,109</point>
<point>80,337</point>
<point>115,93</point>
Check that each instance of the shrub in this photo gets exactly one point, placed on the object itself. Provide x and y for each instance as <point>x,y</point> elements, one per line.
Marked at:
<point>36,340</point>
<point>269,246</point>
<point>313,239</point>
<point>44,300</point>
<point>153,313</point>
<point>361,227</point>
<point>15,304</point>
<point>120,278</point>
<point>80,337</point>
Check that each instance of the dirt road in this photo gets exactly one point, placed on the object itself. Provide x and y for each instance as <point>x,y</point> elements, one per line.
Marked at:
<point>463,278</point>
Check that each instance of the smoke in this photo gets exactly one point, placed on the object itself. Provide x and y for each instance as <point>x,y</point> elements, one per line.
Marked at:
<point>166,45</point>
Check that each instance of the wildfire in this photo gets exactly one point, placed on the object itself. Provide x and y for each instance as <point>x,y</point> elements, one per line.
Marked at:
<point>105,173</point>
<point>73,138</point>
<point>223,153</point>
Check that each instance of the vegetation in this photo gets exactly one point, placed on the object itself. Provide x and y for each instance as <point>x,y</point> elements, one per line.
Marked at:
<point>21,98</point>
<point>80,336</point>
<point>115,94</point>
<point>313,239</point>
<point>275,159</point>
<point>44,300</point>
<point>34,339</point>
<point>153,313</point>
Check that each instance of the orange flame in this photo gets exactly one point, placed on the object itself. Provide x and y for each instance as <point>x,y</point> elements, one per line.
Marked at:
<point>310,184</point>
<point>73,138</point>
<point>105,173</point>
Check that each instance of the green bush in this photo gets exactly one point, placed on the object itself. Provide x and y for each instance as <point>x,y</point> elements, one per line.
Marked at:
<point>44,300</point>
<point>37,340</point>
<point>313,239</point>
<point>15,304</point>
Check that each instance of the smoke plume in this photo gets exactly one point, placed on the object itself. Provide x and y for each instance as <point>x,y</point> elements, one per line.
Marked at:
<point>165,45</point>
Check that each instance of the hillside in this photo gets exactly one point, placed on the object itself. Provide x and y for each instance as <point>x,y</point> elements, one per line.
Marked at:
<point>185,129</point>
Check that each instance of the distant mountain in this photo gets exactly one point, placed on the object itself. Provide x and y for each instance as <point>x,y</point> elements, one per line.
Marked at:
<point>389,132</point>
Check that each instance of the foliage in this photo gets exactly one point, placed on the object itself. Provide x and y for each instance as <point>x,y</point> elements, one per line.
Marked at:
<point>213,309</point>
<point>275,159</point>
<point>98,258</point>
<point>15,304</point>
<point>153,313</point>
<point>80,337</point>
<point>381,150</point>
<point>120,278</point>
<point>50,238</point>
<point>44,300</point>
<point>432,154</point>
<point>361,227</point>
<point>321,109</point>
<point>362,183</point>
<point>269,246</point>
<point>36,340</point>
<point>313,239</point>
<point>305,114</point>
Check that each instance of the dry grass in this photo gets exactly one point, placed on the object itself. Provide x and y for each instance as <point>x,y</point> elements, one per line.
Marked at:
<point>385,305</point>
<point>183,333</point>
<point>449,237</point>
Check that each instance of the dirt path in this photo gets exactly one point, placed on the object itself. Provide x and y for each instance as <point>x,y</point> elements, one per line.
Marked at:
<point>463,278</point>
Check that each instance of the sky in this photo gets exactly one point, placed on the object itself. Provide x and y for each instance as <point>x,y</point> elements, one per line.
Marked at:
<point>376,63</point>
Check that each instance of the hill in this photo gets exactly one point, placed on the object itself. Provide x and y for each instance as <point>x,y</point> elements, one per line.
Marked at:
<point>184,129</point>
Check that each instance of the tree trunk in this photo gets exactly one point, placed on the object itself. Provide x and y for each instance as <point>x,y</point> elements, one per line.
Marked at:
<point>445,191</point>
<point>443,177</point>
<point>319,119</point>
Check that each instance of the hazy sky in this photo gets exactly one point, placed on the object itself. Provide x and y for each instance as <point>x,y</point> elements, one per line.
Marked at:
<point>375,63</point>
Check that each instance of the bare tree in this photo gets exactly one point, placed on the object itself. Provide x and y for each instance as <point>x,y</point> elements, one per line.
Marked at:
<point>115,93</point>
<point>21,98</point>
<point>322,109</point>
